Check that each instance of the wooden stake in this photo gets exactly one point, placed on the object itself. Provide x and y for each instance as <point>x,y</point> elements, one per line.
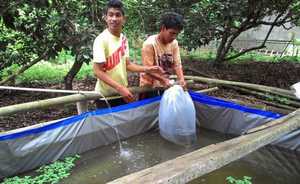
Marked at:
<point>82,107</point>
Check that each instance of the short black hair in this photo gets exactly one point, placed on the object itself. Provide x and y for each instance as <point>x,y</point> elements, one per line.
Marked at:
<point>117,4</point>
<point>172,20</point>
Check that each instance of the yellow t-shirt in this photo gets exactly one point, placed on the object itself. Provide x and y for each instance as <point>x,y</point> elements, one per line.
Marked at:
<point>165,56</point>
<point>112,51</point>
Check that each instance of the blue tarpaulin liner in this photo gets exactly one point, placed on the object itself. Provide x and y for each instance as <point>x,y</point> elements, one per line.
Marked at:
<point>27,148</point>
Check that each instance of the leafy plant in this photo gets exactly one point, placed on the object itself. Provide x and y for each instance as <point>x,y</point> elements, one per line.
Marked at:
<point>197,54</point>
<point>9,70</point>
<point>245,180</point>
<point>63,57</point>
<point>44,28</point>
<point>52,173</point>
<point>277,98</point>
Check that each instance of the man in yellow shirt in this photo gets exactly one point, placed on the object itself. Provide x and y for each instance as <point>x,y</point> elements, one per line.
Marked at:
<point>111,58</point>
<point>162,50</point>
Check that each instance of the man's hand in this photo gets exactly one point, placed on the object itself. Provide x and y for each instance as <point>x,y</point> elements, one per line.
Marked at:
<point>127,95</point>
<point>154,69</point>
<point>166,82</point>
<point>182,83</point>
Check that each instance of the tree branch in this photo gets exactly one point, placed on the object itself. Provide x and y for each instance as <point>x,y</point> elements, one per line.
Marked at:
<point>258,47</point>
<point>13,76</point>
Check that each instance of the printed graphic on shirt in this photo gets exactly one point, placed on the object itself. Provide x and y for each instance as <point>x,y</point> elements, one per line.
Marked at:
<point>112,52</point>
<point>166,61</point>
<point>115,58</point>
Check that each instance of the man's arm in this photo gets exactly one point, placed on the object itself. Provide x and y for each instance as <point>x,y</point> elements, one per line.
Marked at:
<point>148,59</point>
<point>180,76</point>
<point>102,75</point>
<point>138,68</point>
<point>178,66</point>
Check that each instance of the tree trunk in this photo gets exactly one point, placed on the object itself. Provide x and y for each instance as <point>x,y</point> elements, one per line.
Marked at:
<point>68,80</point>
<point>220,52</point>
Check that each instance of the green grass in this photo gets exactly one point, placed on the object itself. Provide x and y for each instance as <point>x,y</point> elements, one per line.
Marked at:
<point>197,55</point>
<point>46,72</point>
<point>55,70</point>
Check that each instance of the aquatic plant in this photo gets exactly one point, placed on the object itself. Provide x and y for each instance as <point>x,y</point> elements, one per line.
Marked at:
<point>245,180</point>
<point>51,173</point>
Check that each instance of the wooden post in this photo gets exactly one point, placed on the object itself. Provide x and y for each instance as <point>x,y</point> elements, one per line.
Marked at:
<point>82,107</point>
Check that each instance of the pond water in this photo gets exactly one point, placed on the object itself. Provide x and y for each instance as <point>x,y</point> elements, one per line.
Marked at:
<point>267,165</point>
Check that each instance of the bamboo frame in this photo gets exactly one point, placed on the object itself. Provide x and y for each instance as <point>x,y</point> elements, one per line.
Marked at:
<point>257,87</point>
<point>64,100</point>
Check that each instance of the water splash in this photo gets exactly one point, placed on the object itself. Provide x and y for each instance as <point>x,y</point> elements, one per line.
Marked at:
<point>113,122</point>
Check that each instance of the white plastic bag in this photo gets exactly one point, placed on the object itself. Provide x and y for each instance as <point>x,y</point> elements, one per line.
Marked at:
<point>177,116</point>
<point>296,89</point>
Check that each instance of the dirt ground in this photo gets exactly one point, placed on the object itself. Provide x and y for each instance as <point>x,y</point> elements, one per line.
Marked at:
<point>281,75</point>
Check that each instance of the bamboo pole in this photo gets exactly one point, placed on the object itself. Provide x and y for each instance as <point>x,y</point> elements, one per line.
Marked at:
<point>78,97</point>
<point>208,90</point>
<point>271,107</point>
<point>290,102</point>
<point>189,82</point>
<point>82,106</point>
<point>274,123</point>
<point>195,164</point>
<point>289,108</point>
<point>273,90</point>
<point>40,104</point>
<point>262,107</point>
<point>257,106</point>
<point>47,90</point>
